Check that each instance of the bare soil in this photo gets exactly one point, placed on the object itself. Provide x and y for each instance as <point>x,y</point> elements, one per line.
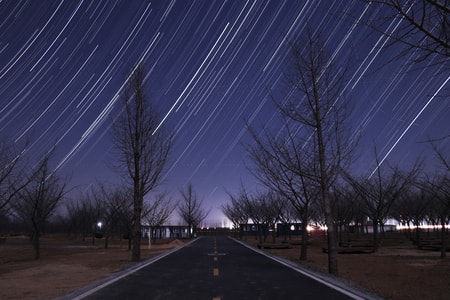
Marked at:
<point>398,271</point>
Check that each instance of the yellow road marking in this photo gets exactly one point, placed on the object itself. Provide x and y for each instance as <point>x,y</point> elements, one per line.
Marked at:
<point>216,272</point>
<point>216,298</point>
<point>215,258</point>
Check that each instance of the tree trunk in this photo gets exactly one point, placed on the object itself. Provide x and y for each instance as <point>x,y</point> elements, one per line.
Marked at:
<point>136,235</point>
<point>129,241</point>
<point>331,231</point>
<point>36,245</point>
<point>444,240</point>
<point>375,236</point>
<point>332,248</point>
<point>304,247</point>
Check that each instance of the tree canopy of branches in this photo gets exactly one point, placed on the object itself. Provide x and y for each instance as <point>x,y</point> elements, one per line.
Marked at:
<point>190,209</point>
<point>425,25</point>
<point>37,201</point>
<point>142,149</point>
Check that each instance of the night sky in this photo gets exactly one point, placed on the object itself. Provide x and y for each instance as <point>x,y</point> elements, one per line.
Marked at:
<point>210,66</point>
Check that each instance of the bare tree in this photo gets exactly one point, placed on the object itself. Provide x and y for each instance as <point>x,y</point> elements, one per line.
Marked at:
<point>345,208</point>
<point>442,154</point>
<point>286,165</point>
<point>12,168</point>
<point>190,209</point>
<point>424,25</point>
<point>37,201</point>
<point>271,206</point>
<point>317,104</point>
<point>116,211</point>
<point>83,213</point>
<point>235,211</point>
<point>379,193</point>
<point>142,149</point>
<point>412,207</point>
<point>254,212</point>
<point>158,210</point>
<point>263,208</point>
<point>438,189</point>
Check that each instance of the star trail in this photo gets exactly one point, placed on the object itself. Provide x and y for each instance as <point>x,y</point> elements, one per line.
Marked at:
<point>211,67</point>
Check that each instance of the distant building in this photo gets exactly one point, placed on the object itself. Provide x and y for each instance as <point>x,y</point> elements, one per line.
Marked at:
<point>282,229</point>
<point>248,229</point>
<point>166,231</point>
<point>289,229</point>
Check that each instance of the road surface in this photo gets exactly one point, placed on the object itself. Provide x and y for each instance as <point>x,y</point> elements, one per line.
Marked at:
<point>217,268</point>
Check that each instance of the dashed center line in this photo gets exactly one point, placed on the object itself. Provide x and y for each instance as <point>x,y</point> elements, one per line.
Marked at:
<point>216,272</point>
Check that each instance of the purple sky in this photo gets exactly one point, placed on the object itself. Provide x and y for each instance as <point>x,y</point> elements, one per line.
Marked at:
<point>211,65</point>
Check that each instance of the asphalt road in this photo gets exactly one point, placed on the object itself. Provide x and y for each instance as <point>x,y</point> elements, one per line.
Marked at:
<point>217,268</point>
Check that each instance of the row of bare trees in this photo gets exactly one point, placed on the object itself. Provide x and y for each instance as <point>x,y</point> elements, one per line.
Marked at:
<point>306,162</point>
<point>113,207</point>
<point>410,197</point>
<point>98,212</point>
<point>109,211</point>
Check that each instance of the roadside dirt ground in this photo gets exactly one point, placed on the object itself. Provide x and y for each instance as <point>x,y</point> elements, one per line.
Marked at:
<point>397,271</point>
<point>65,264</point>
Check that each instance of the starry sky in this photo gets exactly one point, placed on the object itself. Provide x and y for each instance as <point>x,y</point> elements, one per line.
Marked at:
<point>210,66</point>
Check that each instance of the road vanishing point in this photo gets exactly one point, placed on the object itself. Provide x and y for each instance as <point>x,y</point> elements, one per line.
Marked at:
<point>218,268</point>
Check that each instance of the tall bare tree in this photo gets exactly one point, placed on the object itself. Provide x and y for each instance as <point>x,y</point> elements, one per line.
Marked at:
<point>191,209</point>
<point>316,103</point>
<point>142,147</point>
<point>37,201</point>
